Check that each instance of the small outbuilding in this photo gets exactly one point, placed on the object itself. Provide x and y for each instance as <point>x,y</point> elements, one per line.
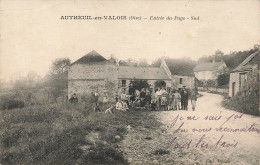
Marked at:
<point>247,71</point>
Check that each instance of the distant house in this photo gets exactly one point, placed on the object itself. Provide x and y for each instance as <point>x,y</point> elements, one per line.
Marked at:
<point>180,72</point>
<point>247,70</point>
<point>209,71</point>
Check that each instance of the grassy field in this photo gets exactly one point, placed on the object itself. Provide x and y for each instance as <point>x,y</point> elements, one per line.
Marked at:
<point>65,134</point>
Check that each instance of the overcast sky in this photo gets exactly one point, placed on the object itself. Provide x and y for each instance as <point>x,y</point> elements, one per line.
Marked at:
<point>33,35</point>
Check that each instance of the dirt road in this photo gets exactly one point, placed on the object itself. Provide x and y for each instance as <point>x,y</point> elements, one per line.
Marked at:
<point>209,135</point>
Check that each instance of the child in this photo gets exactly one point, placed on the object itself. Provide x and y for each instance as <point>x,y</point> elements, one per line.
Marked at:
<point>95,99</point>
<point>164,99</point>
<point>121,105</point>
<point>158,98</point>
<point>176,100</point>
<point>153,103</point>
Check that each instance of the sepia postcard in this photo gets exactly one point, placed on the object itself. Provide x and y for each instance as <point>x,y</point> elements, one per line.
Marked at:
<point>130,82</point>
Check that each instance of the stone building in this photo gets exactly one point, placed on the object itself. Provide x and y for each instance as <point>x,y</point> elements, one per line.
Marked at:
<point>91,73</point>
<point>126,74</point>
<point>247,71</point>
<point>181,73</point>
<point>209,71</point>
<point>94,73</point>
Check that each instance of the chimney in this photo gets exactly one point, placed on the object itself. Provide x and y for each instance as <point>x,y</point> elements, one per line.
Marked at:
<point>213,61</point>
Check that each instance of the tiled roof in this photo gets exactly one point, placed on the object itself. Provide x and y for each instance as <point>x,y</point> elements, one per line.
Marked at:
<point>243,66</point>
<point>143,73</point>
<point>91,57</point>
<point>207,66</point>
<point>181,68</point>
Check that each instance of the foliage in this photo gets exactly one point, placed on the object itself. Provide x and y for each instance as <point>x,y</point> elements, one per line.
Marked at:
<point>232,60</point>
<point>223,79</point>
<point>207,83</point>
<point>143,63</point>
<point>246,100</point>
<point>10,102</point>
<point>25,83</point>
<point>58,78</point>
<point>103,154</point>
<point>139,84</point>
<point>60,65</point>
<point>58,83</point>
<point>160,83</point>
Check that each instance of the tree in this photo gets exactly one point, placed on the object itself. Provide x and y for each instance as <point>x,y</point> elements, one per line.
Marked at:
<point>60,65</point>
<point>58,79</point>
<point>156,63</point>
<point>256,47</point>
<point>223,79</point>
<point>139,84</point>
<point>32,78</point>
<point>143,63</point>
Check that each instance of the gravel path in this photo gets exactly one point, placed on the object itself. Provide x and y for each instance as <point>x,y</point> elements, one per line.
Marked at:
<point>163,145</point>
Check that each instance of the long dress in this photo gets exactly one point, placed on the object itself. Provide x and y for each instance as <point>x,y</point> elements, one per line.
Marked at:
<point>164,98</point>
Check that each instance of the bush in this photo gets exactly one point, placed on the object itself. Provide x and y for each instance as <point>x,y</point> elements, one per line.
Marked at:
<point>10,102</point>
<point>223,79</point>
<point>103,154</point>
<point>245,101</point>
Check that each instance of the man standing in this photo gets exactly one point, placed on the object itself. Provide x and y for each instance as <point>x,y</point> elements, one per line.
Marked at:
<point>184,98</point>
<point>131,92</point>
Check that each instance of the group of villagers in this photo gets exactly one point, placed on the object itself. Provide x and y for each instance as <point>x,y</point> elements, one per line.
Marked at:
<point>160,100</point>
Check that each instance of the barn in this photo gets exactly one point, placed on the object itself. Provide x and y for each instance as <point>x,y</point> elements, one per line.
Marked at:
<point>245,72</point>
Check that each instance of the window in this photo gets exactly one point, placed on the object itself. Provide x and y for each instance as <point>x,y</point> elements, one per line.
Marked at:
<point>180,81</point>
<point>123,83</point>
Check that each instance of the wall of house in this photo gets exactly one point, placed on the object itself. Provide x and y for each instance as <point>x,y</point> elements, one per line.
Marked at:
<point>86,78</point>
<point>234,78</point>
<point>252,76</point>
<point>188,81</point>
<point>92,71</point>
<point>205,75</point>
<point>85,87</point>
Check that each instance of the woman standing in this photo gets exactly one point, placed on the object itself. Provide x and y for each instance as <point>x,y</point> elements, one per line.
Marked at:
<point>176,100</point>
<point>171,100</point>
<point>158,98</point>
<point>164,99</point>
